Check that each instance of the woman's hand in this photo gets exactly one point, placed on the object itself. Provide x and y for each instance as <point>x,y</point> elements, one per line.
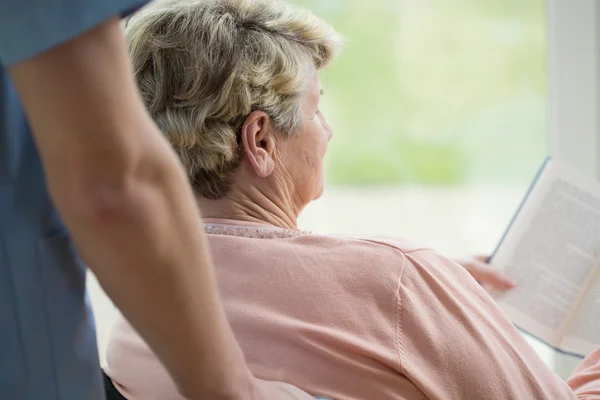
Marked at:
<point>485,275</point>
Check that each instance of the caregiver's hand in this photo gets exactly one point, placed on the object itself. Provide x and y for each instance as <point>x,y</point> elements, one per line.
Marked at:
<point>477,267</point>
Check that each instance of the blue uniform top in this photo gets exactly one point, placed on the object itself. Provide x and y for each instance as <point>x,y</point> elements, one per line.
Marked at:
<point>47,336</point>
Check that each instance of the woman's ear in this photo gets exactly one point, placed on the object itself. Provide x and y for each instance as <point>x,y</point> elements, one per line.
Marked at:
<point>258,142</point>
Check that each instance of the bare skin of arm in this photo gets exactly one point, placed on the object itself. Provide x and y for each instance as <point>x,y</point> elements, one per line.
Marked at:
<point>129,208</point>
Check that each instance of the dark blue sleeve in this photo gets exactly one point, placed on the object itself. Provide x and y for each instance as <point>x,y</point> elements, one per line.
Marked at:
<point>30,27</point>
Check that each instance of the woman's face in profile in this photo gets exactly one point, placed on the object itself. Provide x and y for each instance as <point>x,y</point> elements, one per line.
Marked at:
<point>303,153</point>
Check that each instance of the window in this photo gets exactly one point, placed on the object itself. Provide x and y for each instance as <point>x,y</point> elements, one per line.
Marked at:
<point>439,114</point>
<point>439,109</point>
<point>436,92</point>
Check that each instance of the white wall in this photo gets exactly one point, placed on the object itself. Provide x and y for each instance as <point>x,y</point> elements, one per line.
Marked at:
<point>574,68</point>
<point>574,95</point>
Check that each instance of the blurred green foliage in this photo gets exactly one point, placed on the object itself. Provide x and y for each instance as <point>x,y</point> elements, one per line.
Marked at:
<point>435,91</point>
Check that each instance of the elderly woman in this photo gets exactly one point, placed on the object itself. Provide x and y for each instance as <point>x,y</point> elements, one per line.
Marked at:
<point>234,86</point>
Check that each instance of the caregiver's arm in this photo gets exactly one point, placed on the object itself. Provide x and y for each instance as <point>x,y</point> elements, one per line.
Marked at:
<point>128,206</point>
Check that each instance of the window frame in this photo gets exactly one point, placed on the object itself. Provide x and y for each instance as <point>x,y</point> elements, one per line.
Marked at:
<point>573,37</point>
<point>574,82</point>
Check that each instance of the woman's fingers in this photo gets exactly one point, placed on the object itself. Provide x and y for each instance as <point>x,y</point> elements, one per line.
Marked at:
<point>482,258</point>
<point>485,275</point>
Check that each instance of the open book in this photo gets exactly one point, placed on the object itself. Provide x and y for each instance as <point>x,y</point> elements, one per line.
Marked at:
<point>552,249</point>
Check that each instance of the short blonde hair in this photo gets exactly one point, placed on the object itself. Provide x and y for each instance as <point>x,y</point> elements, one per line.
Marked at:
<point>202,66</point>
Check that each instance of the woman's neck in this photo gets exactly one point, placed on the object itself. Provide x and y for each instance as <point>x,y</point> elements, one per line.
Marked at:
<point>250,206</point>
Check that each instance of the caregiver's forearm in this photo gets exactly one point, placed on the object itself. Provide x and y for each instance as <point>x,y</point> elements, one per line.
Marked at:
<point>129,208</point>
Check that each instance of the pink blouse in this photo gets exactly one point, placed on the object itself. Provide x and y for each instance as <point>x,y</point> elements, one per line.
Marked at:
<point>358,319</point>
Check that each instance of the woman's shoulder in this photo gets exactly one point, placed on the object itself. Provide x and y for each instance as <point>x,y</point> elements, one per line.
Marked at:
<point>399,244</point>
<point>395,255</point>
<point>391,254</point>
<point>347,249</point>
<point>416,254</point>
<point>380,247</point>
<point>349,260</point>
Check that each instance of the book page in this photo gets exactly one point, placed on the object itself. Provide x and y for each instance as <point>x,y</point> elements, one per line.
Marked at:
<point>583,334</point>
<point>550,251</point>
